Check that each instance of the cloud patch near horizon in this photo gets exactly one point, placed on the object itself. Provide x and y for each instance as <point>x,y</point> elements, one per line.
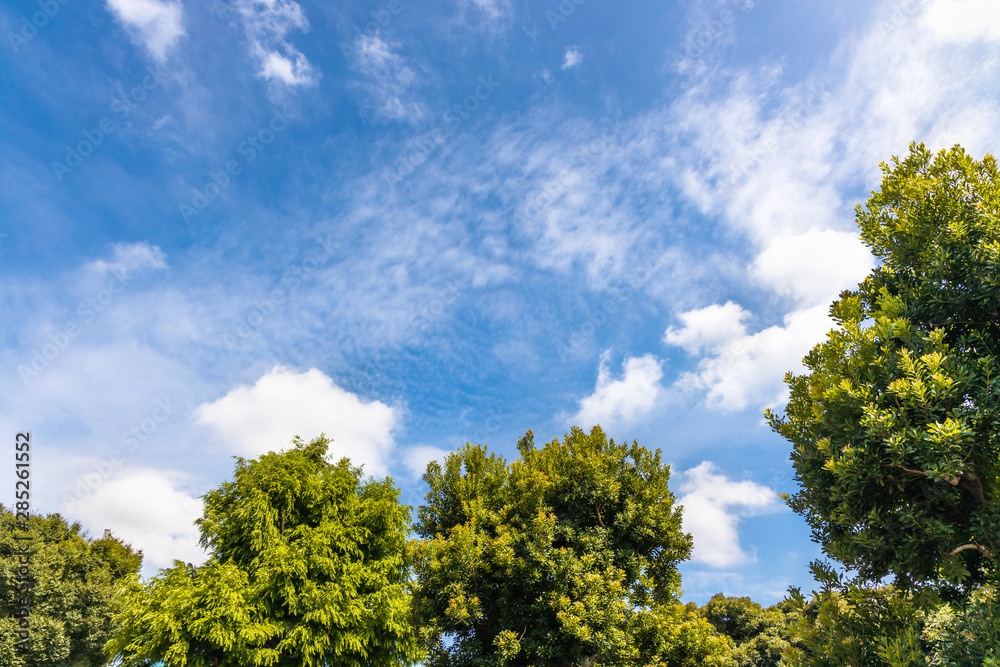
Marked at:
<point>151,509</point>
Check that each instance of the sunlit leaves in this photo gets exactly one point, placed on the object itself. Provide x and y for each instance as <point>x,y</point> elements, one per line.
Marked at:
<point>307,567</point>
<point>896,423</point>
<point>567,554</point>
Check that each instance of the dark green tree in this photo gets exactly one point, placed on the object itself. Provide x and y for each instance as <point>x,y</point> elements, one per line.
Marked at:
<point>69,589</point>
<point>566,556</point>
<point>755,631</point>
<point>896,423</point>
<point>307,568</point>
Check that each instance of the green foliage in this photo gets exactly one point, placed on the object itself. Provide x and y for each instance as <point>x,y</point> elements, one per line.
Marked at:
<point>307,567</point>
<point>755,631</point>
<point>967,636</point>
<point>671,635</point>
<point>567,556</point>
<point>854,626</point>
<point>896,424</point>
<point>70,594</point>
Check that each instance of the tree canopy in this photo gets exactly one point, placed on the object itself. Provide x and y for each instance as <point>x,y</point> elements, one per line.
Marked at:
<point>756,632</point>
<point>896,423</point>
<point>70,592</point>
<point>566,556</point>
<point>307,567</point>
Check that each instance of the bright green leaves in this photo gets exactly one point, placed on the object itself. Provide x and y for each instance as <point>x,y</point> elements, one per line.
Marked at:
<point>851,625</point>
<point>896,424</point>
<point>307,567</point>
<point>566,554</point>
<point>968,634</point>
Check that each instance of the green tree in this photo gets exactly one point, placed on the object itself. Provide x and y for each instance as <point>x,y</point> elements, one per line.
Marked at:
<point>307,567</point>
<point>966,635</point>
<point>565,557</point>
<point>755,631</point>
<point>896,423</point>
<point>69,590</point>
<point>847,624</point>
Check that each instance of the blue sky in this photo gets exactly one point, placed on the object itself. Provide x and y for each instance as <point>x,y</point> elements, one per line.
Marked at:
<point>410,226</point>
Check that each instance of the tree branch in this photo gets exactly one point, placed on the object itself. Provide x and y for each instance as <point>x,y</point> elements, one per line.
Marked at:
<point>597,507</point>
<point>965,547</point>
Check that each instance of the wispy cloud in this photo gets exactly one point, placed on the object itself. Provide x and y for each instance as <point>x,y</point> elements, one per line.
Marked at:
<point>485,15</point>
<point>781,164</point>
<point>130,257</point>
<point>963,20</point>
<point>388,81</point>
<point>268,24</point>
<point>154,24</point>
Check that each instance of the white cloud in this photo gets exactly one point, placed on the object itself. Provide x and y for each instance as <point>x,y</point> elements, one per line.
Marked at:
<point>155,24</point>
<point>416,458</point>
<point>487,15</point>
<point>572,58</point>
<point>814,266</point>
<point>494,9</point>
<point>267,24</point>
<point>713,505</point>
<point>618,401</point>
<point>749,369</point>
<point>783,163</point>
<point>251,421</point>
<point>129,257</point>
<point>389,80</point>
<point>149,509</point>
<point>960,20</point>
<point>708,328</point>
